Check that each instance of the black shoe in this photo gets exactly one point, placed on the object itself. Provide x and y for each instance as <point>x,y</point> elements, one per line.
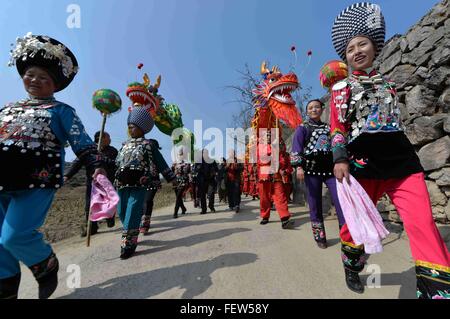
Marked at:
<point>353,281</point>
<point>9,287</point>
<point>175,215</point>
<point>287,224</point>
<point>111,222</point>
<point>46,274</point>
<point>202,213</point>
<point>183,212</point>
<point>237,209</point>
<point>213,210</point>
<point>126,253</point>
<point>264,221</point>
<point>129,243</point>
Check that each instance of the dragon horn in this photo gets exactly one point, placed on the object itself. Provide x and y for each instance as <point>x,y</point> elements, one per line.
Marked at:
<point>146,80</point>
<point>264,69</point>
<point>158,82</point>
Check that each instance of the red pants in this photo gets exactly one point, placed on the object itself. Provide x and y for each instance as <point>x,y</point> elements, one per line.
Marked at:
<point>253,188</point>
<point>245,187</point>
<point>273,190</point>
<point>410,197</point>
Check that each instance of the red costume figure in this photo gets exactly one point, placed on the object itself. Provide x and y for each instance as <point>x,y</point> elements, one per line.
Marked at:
<point>273,102</point>
<point>253,180</point>
<point>245,179</point>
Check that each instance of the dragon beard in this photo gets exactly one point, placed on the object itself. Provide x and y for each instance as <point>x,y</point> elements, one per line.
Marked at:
<point>288,113</point>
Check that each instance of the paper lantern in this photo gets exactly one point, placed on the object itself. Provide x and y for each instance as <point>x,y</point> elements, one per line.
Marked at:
<point>106,101</point>
<point>332,72</point>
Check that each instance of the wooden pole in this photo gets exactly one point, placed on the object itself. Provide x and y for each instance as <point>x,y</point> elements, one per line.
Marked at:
<point>88,237</point>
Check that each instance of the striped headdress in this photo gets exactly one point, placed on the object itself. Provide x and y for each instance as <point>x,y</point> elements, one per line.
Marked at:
<point>360,19</point>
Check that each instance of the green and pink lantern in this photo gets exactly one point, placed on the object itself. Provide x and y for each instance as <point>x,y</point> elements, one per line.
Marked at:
<point>107,102</point>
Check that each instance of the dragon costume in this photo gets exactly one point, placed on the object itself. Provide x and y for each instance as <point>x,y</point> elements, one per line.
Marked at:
<point>273,102</point>
<point>167,116</point>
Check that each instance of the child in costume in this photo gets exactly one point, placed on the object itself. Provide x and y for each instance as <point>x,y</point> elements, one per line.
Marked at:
<point>33,133</point>
<point>109,154</point>
<point>153,187</point>
<point>137,157</point>
<point>368,141</point>
<point>312,156</point>
<point>181,169</point>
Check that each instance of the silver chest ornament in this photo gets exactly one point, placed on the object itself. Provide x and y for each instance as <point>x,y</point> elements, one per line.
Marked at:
<point>320,133</point>
<point>371,98</point>
<point>133,152</point>
<point>27,127</point>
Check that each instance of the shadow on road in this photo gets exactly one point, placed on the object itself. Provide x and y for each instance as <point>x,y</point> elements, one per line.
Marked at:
<point>194,278</point>
<point>406,280</point>
<point>158,245</point>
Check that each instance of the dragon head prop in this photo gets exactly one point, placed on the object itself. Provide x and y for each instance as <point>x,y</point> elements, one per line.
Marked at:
<point>145,95</point>
<point>167,116</point>
<point>274,92</point>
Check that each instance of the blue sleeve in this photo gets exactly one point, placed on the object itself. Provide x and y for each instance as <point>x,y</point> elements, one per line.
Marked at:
<point>72,129</point>
<point>298,145</point>
<point>68,127</point>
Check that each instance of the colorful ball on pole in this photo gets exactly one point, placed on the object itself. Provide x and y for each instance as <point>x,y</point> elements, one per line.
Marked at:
<point>106,101</point>
<point>332,72</point>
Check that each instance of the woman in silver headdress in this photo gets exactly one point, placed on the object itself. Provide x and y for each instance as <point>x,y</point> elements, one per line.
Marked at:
<point>368,142</point>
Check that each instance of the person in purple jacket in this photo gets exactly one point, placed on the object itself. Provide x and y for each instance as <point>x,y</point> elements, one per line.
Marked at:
<point>311,155</point>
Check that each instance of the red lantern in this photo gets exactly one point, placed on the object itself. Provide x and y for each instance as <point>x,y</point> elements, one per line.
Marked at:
<point>332,72</point>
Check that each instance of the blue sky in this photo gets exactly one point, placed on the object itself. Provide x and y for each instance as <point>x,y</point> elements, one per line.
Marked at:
<point>196,45</point>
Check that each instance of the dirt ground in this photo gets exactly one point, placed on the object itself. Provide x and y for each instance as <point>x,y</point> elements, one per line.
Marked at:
<point>66,216</point>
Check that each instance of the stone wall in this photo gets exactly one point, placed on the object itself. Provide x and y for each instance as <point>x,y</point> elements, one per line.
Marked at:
<point>419,63</point>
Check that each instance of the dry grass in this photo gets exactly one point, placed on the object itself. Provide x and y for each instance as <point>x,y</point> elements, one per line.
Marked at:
<point>66,215</point>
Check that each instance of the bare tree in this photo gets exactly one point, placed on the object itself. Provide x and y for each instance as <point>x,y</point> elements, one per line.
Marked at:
<point>244,98</point>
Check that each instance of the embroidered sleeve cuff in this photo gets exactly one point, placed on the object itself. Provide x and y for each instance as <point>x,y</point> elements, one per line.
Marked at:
<point>296,159</point>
